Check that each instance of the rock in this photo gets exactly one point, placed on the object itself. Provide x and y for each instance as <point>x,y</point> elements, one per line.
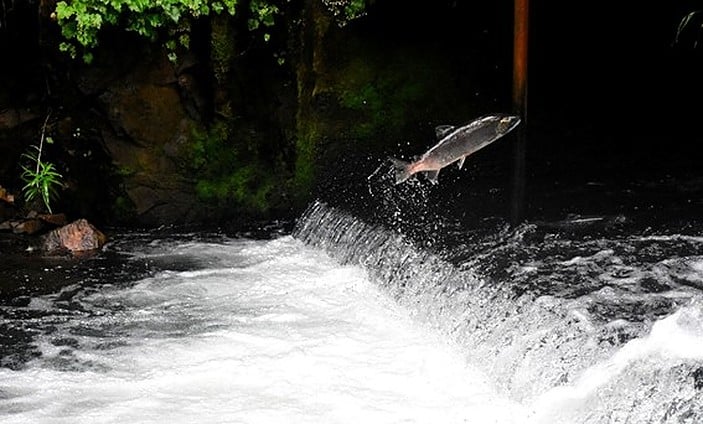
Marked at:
<point>5,226</point>
<point>5,196</point>
<point>12,118</point>
<point>57,219</point>
<point>149,139</point>
<point>78,236</point>
<point>27,226</point>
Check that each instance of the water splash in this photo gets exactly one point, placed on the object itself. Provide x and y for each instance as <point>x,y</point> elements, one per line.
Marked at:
<point>405,207</point>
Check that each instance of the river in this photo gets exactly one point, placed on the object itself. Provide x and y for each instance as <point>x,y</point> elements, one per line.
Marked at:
<point>344,321</point>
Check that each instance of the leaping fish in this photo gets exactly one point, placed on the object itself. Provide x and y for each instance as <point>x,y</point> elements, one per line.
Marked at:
<point>455,144</point>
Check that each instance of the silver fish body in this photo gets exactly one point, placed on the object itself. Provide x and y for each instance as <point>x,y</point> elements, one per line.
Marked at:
<point>455,145</point>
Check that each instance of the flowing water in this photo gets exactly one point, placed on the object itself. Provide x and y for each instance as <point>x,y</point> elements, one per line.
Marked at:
<point>349,321</point>
<point>575,329</point>
<point>239,330</point>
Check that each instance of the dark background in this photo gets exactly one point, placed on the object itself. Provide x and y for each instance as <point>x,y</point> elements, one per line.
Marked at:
<point>606,79</point>
<point>614,104</point>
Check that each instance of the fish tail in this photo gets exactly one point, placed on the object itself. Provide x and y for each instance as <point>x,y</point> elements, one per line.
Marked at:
<point>402,170</point>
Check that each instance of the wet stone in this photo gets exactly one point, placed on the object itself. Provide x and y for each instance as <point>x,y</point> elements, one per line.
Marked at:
<point>698,379</point>
<point>110,345</point>
<point>5,196</point>
<point>65,341</point>
<point>19,301</point>
<point>29,226</point>
<point>57,219</point>
<point>78,236</point>
<point>651,285</point>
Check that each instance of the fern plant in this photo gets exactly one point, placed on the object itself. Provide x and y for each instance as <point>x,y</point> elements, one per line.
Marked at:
<point>41,178</point>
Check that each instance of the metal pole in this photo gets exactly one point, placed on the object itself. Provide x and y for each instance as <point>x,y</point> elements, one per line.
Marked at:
<point>521,18</point>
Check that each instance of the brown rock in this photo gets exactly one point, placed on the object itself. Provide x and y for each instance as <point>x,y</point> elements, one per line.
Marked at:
<point>133,108</point>
<point>78,236</point>
<point>57,219</point>
<point>150,132</point>
<point>12,118</point>
<point>5,196</point>
<point>28,226</point>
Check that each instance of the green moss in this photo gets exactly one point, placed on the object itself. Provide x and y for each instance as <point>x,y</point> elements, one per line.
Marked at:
<point>222,49</point>
<point>261,200</point>
<point>383,94</point>
<point>123,209</point>
<point>125,171</point>
<point>231,172</point>
<point>308,137</point>
<point>210,150</point>
<point>360,98</point>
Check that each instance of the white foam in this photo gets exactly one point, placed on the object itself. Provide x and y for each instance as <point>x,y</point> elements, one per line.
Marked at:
<point>672,339</point>
<point>674,237</point>
<point>578,260</point>
<point>291,338</point>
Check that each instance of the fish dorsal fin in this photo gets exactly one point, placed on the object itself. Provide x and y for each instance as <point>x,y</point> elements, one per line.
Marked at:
<point>444,130</point>
<point>460,162</point>
<point>432,176</point>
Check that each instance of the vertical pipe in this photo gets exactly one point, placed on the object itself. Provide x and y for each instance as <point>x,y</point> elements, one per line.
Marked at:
<point>520,38</point>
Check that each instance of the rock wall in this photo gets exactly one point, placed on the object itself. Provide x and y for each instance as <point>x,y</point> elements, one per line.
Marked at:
<point>146,131</point>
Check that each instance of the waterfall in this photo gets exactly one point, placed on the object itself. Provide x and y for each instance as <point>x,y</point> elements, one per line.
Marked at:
<point>582,330</point>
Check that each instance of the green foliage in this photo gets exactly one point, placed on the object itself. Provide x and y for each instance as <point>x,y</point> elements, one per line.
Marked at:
<point>345,11</point>
<point>354,9</point>
<point>82,20</point>
<point>40,177</point>
<point>262,16</point>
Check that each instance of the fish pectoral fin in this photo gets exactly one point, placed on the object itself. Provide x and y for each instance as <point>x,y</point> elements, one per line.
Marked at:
<point>460,162</point>
<point>442,130</point>
<point>432,176</point>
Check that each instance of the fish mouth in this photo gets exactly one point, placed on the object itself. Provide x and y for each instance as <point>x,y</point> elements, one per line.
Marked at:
<point>508,123</point>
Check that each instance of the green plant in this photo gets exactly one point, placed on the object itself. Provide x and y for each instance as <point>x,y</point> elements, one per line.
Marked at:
<point>345,11</point>
<point>40,177</point>
<point>169,20</point>
<point>82,20</point>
